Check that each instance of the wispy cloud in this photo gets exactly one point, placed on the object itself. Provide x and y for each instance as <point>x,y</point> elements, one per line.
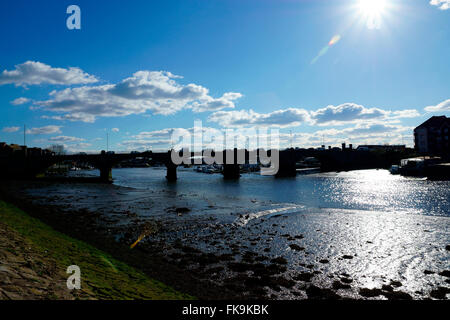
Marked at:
<point>20,101</point>
<point>62,139</point>
<point>45,130</point>
<point>11,129</point>
<point>37,73</point>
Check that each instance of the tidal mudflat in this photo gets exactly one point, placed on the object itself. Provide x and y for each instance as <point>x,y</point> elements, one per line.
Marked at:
<point>335,235</point>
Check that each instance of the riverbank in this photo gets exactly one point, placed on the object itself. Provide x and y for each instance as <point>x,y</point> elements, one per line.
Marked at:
<point>34,258</point>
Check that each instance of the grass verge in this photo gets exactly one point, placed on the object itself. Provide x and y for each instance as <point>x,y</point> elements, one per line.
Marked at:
<point>102,276</point>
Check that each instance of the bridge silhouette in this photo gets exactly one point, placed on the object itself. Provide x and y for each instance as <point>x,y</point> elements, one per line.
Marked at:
<point>231,162</point>
<point>30,164</point>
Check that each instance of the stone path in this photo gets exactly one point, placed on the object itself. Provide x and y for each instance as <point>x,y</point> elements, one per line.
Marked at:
<point>26,275</point>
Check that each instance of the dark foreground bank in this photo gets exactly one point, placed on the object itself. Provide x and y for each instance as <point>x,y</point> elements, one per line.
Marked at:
<point>260,253</point>
<point>89,228</point>
<point>34,259</point>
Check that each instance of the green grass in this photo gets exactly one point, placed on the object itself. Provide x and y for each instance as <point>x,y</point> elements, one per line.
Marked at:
<point>102,276</point>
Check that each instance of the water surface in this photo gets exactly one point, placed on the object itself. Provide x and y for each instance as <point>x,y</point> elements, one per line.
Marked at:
<point>368,225</point>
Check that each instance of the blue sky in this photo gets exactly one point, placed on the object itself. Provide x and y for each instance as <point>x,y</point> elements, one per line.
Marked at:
<point>138,69</point>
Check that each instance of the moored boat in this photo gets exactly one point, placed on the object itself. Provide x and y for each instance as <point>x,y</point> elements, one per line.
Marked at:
<point>395,169</point>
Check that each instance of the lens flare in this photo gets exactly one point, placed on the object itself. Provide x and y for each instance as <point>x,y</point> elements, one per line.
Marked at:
<point>334,40</point>
<point>324,50</point>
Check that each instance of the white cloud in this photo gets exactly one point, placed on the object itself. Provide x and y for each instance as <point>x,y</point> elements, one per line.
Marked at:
<point>372,133</point>
<point>346,113</point>
<point>210,104</point>
<point>165,139</point>
<point>79,147</point>
<point>164,133</point>
<point>45,130</point>
<point>357,135</point>
<point>359,130</point>
<point>115,130</point>
<point>444,106</point>
<point>65,139</point>
<point>36,73</point>
<point>442,4</point>
<point>353,113</point>
<point>154,91</point>
<point>143,145</point>
<point>11,129</point>
<point>72,117</point>
<point>402,114</point>
<point>281,118</point>
<point>20,101</point>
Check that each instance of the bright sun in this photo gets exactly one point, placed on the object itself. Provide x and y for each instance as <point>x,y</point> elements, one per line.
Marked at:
<point>372,7</point>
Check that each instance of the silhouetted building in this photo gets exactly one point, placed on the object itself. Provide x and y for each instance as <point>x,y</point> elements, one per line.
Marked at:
<point>431,137</point>
<point>11,149</point>
<point>8,150</point>
<point>376,147</point>
<point>35,152</point>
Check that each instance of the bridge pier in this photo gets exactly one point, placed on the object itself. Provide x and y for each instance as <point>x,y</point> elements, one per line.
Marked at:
<point>231,171</point>
<point>171,172</point>
<point>171,168</point>
<point>106,173</point>
<point>287,164</point>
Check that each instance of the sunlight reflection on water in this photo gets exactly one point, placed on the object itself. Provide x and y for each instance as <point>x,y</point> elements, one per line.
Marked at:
<point>361,190</point>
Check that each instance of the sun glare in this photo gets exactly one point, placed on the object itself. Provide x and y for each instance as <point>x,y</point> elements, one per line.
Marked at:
<point>372,11</point>
<point>372,7</point>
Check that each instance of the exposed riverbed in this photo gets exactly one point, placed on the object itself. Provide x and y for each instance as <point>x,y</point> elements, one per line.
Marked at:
<point>359,234</point>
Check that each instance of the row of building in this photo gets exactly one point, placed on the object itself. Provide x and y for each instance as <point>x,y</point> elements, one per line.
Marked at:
<point>8,150</point>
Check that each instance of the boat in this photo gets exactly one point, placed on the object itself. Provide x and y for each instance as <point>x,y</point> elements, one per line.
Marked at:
<point>198,169</point>
<point>208,169</point>
<point>412,167</point>
<point>417,167</point>
<point>308,170</point>
<point>395,169</point>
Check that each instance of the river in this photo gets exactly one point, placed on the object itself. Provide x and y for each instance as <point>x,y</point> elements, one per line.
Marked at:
<point>346,231</point>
